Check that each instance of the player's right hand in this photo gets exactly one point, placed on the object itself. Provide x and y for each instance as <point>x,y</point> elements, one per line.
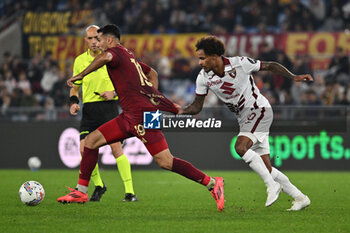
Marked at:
<point>179,108</point>
<point>74,109</point>
<point>303,77</point>
<point>70,82</point>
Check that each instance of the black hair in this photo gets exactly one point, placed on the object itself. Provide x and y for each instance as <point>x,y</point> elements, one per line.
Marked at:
<point>211,45</point>
<point>110,29</point>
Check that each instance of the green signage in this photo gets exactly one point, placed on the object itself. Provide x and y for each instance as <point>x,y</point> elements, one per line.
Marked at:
<point>300,147</point>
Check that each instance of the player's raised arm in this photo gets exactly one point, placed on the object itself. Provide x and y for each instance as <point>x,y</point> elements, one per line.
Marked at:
<point>97,63</point>
<point>195,107</point>
<point>277,68</point>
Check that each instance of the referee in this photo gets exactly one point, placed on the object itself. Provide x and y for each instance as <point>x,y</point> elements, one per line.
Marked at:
<point>99,106</point>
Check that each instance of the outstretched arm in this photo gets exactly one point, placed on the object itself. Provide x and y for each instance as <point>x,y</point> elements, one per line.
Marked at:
<point>277,68</point>
<point>97,63</point>
<point>195,107</point>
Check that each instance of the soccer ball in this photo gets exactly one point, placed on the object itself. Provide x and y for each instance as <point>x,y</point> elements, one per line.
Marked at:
<point>34,163</point>
<point>31,193</point>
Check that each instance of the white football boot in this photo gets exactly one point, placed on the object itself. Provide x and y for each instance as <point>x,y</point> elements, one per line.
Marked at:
<point>302,201</point>
<point>272,193</point>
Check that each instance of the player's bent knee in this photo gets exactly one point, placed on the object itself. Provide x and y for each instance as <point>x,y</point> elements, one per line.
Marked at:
<point>242,145</point>
<point>164,164</point>
<point>95,140</point>
<point>164,160</point>
<point>241,149</point>
<point>90,142</point>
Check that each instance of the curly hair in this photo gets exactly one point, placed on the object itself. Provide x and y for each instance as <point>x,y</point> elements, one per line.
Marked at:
<point>211,45</point>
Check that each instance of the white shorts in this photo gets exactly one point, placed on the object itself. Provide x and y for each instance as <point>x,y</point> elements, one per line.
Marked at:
<point>256,126</point>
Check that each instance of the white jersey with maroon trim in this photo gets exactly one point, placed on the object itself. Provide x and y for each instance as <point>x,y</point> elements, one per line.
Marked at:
<point>236,88</point>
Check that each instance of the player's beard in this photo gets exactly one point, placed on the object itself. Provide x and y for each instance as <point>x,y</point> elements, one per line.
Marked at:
<point>102,48</point>
<point>206,69</point>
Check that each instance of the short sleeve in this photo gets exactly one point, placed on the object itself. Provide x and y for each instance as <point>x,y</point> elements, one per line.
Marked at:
<point>115,60</point>
<point>77,70</point>
<point>145,68</point>
<point>201,87</point>
<point>250,65</point>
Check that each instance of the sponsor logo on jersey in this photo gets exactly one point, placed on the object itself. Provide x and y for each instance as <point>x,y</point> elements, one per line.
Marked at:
<point>151,120</point>
<point>213,83</point>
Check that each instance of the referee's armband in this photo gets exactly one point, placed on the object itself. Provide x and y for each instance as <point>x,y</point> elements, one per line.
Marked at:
<point>73,100</point>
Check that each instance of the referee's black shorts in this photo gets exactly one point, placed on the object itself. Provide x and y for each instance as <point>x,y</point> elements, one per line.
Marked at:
<point>96,114</point>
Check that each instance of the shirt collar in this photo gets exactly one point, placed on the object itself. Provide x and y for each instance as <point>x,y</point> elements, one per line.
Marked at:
<point>226,63</point>
<point>89,54</point>
<point>227,66</point>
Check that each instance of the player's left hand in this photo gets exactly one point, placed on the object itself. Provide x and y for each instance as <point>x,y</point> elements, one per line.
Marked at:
<point>303,77</point>
<point>70,82</point>
<point>107,95</point>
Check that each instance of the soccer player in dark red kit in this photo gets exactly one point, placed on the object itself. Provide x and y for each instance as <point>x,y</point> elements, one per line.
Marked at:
<point>137,93</point>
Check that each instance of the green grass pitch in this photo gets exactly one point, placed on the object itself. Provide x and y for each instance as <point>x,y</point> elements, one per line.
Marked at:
<point>171,203</point>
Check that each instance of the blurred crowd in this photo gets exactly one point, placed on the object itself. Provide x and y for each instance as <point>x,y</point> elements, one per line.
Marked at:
<point>38,82</point>
<point>214,16</point>
<point>330,87</point>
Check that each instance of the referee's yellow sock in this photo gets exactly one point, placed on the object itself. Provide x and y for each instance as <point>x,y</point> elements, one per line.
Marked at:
<point>96,177</point>
<point>125,173</point>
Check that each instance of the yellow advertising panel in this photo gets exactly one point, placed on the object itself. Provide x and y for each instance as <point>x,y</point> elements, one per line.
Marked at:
<point>49,32</point>
<point>165,44</point>
<point>64,48</point>
<point>52,32</point>
<point>320,46</point>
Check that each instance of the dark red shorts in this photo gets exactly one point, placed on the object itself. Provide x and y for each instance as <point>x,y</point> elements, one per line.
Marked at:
<point>124,126</point>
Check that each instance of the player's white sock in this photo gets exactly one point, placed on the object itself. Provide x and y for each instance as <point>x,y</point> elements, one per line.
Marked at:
<point>211,183</point>
<point>257,164</point>
<point>82,188</point>
<point>288,187</point>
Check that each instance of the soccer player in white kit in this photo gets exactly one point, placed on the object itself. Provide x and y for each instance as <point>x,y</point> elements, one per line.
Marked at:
<point>230,78</point>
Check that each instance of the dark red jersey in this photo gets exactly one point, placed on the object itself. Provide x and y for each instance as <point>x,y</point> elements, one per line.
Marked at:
<point>135,91</point>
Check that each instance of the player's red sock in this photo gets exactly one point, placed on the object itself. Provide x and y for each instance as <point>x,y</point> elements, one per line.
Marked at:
<point>87,165</point>
<point>186,169</point>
